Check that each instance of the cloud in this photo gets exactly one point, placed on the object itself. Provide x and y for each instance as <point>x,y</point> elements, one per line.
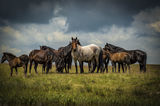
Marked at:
<point>141,34</point>
<point>6,48</point>
<point>156,26</point>
<point>146,22</point>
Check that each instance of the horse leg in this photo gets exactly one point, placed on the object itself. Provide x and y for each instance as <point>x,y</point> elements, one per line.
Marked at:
<point>128,68</point>
<point>65,65</point>
<point>140,66</point>
<point>98,64</point>
<point>68,67</point>
<point>26,66</point>
<point>144,68</point>
<point>81,66</point>
<point>47,68</point>
<point>122,67</point>
<point>119,67</point>
<point>16,71</point>
<point>106,65</point>
<point>125,67</point>
<point>115,66</point>
<point>11,71</point>
<point>75,62</point>
<point>89,66</point>
<point>35,67</point>
<point>93,63</point>
<point>30,67</point>
<point>43,68</point>
<point>112,66</point>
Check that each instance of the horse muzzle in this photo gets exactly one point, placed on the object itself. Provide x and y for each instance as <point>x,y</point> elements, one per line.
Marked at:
<point>74,50</point>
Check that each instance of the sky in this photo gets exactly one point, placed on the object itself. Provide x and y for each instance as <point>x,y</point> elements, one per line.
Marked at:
<point>131,24</point>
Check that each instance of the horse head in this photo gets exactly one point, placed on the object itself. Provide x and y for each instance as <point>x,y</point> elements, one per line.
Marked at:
<point>75,42</point>
<point>7,56</point>
<point>4,58</point>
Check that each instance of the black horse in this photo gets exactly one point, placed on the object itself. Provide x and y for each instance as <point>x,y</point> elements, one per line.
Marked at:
<point>14,62</point>
<point>136,55</point>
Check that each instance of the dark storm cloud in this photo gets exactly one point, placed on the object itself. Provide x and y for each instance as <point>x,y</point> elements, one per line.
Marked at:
<point>27,11</point>
<point>85,15</point>
<point>93,14</point>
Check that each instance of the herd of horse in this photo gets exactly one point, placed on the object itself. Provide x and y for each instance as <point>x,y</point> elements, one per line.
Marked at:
<point>95,56</point>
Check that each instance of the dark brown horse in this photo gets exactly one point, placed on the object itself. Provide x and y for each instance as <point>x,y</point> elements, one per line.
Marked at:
<point>136,55</point>
<point>14,62</point>
<point>120,57</point>
<point>62,54</point>
<point>58,58</point>
<point>44,57</point>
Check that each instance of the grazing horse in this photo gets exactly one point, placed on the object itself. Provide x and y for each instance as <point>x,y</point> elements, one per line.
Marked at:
<point>62,57</point>
<point>136,55</point>
<point>86,53</point>
<point>120,58</point>
<point>14,62</point>
<point>44,57</point>
<point>66,54</point>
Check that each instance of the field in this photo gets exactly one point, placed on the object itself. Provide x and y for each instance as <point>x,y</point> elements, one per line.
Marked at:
<point>133,88</point>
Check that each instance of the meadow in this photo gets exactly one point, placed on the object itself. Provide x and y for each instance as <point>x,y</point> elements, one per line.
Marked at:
<point>111,89</point>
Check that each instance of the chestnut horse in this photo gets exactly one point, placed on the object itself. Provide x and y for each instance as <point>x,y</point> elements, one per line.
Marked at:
<point>120,58</point>
<point>14,62</point>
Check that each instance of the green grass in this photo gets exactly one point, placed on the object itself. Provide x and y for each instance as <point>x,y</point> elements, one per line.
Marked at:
<point>133,88</point>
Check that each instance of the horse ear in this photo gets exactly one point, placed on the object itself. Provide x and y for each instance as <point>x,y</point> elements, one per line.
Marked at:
<point>76,38</point>
<point>72,38</point>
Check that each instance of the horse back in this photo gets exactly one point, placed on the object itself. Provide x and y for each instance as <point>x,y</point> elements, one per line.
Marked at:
<point>16,62</point>
<point>119,56</point>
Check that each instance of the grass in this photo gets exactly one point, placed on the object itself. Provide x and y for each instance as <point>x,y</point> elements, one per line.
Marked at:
<point>133,88</point>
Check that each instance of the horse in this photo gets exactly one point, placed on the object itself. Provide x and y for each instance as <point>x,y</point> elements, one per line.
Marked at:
<point>44,57</point>
<point>86,53</point>
<point>63,54</point>
<point>119,57</point>
<point>136,55</point>
<point>66,54</point>
<point>14,62</point>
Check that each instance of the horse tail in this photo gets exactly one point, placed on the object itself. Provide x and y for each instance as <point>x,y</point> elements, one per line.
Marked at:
<point>70,63</point>
<point>101,59</point>
<point>144,61</point>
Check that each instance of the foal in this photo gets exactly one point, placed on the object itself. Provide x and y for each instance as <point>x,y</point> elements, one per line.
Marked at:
<point>14,62</point>
<point>120,58</point>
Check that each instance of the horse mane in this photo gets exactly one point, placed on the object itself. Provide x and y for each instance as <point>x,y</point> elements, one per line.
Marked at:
<point>44,46</point>
<point>9,54</point>
<point>115,48</point>
<point>66,49</point>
